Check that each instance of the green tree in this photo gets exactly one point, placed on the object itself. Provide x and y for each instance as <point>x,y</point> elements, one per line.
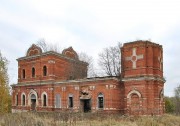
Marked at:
<point>5,98</point>
<point>177,100</point>
<point>169,105</point>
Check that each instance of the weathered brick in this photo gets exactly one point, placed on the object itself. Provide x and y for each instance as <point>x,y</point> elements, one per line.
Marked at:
<point>139,92</point>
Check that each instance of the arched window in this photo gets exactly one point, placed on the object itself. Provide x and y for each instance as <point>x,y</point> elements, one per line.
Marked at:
<point>23,100</point>
<point>70,101</point>
<point>32,99</point>
<point>33,96</point>
<point>100,100</point>
<point>33,72</point>
<point>24,73</point>
<point>44,100</point>
<point>44,71</point>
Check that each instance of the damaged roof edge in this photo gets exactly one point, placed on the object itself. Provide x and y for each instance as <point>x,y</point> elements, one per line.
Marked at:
<point>66,81</point>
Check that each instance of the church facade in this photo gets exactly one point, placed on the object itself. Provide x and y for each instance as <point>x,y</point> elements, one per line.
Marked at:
<point>50,81</point>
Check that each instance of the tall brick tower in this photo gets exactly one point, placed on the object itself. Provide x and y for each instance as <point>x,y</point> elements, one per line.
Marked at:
<point>142,76</point>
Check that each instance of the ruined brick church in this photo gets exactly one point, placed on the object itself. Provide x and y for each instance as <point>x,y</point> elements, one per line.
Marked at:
<point>50,81</point>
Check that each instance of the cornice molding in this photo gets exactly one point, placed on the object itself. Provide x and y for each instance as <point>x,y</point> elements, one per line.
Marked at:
<point>147,78</point>
<point>71,82</point>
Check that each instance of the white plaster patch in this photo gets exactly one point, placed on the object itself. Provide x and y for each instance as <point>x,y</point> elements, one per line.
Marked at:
<point>134,58</point>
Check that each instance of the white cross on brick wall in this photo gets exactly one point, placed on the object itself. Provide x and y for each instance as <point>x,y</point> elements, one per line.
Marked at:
<point>134,58</point>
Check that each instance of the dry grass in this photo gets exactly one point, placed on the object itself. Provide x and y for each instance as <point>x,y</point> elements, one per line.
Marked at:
<point>85,119</point>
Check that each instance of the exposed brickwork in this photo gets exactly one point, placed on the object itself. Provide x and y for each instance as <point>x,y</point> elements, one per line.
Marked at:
<point>59,67</point>
<point>146,78</point>
<point>65,86</point>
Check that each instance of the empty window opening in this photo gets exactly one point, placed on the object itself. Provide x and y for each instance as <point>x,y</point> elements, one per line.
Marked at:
<point>70,102</point>
<point>33,72</point>
<point>23,100</point>
<point>44,100</point>
<point>44,71</point>
<point>100,101</point>
<point>24,73</point>
<point>86,105</point>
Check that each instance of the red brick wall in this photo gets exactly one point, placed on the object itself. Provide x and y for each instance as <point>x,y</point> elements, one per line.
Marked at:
<point>109,88</point>
<point>149,64</point>
<point>57,68</point>
<point>146,78</point>
<point>140,92</point>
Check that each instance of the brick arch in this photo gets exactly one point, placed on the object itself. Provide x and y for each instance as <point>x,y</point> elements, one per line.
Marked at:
<point>45,70</point>
<point>134,102</point>
<point>34,50</point>
<point>134,92</point>
<point>69,52</point>
<point>29,97</point>
<point>100,93</point>
<point>70,95</point>
<point>42,98</point>
<point>22,98</point>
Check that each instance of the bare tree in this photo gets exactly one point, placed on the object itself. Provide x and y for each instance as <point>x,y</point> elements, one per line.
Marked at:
<point>48,47</point>
<point>41,43</point>
<point>110,60</point>
<point>88,59</point>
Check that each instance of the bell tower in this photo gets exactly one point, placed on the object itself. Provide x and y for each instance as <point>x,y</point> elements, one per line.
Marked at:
<point>142,76</point>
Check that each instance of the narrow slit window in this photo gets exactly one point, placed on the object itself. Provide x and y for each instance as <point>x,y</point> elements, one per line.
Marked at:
<point>70,102</point>
<point>44,71</point>
<point>33,72</point>
<point>23,100</point>
<point>44,100</point>
<point>24,73</point>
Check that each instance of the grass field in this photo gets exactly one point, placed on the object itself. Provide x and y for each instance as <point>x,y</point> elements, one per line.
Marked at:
<point>85,119</point>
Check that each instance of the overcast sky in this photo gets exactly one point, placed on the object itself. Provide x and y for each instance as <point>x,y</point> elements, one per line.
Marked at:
<point>89,26</point>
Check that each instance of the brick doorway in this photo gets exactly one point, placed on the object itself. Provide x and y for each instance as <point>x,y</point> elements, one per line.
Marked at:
<point>33,102</point>
<point>86,105</point>
<point>135,105</point>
